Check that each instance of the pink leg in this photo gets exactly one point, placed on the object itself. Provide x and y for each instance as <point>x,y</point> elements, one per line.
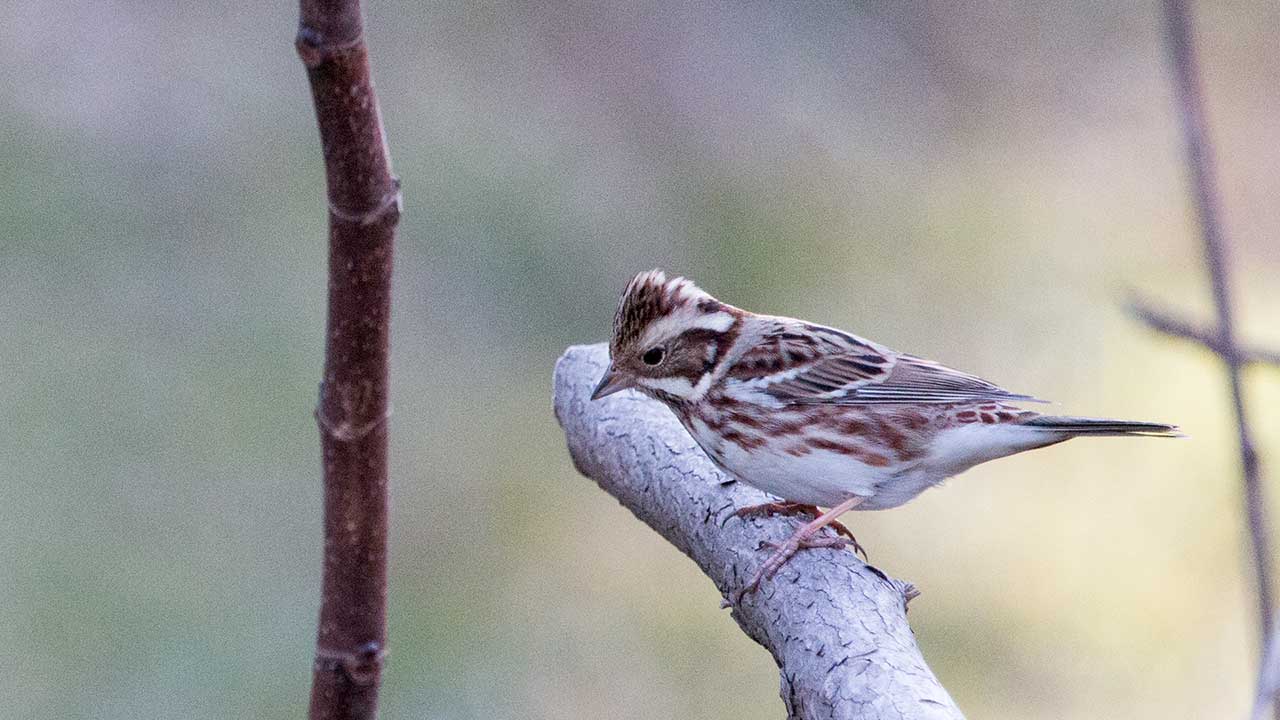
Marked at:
<point>803,538</point>
<point>789,509</point>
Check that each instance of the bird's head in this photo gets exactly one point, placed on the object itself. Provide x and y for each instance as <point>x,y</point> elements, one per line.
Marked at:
<point>668,336</point>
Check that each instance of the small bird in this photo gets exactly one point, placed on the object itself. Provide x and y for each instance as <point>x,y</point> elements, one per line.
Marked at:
<point>814,415</point>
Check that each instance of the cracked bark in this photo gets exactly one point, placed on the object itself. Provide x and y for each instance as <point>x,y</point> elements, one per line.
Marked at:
<point>836,627</point>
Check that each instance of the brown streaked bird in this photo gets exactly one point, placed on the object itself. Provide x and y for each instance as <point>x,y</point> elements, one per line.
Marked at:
<point>815,415</point>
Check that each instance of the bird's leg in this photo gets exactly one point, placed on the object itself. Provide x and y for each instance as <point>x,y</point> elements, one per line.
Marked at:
<point>789,509</point>
<point>803,538</point>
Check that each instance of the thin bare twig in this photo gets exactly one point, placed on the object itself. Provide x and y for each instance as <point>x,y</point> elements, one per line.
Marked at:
<point>1204,186</point>
<point>1268,678</point>
<point>364,207</point>
<point>1169,324</point>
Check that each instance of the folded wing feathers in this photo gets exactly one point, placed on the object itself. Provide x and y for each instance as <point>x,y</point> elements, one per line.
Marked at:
<point>855,379</point>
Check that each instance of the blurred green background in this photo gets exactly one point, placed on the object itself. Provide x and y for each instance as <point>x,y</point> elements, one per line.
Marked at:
<point>977,183</point>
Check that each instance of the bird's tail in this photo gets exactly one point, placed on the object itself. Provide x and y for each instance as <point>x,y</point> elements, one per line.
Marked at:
<point>1080,427</point>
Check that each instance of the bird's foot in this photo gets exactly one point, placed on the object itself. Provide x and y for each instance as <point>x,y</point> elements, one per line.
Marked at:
<point>781,554</point>
<point>805,537</point>
<point>790,509</point>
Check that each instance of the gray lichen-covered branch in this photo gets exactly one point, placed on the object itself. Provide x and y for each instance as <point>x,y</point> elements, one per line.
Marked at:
<point>836,627</point>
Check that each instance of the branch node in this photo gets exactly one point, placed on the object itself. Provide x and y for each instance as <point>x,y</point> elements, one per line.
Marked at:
<point>362,667</point>
<point>390,205</point>
<point>344,430</point>
<point>315,49</point>
<point>354,399</point>
<point>909,592</point>
<point>1168,323</point>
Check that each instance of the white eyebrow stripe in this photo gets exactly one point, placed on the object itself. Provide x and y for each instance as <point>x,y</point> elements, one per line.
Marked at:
<point>668,327</point>
<point>717,321</point>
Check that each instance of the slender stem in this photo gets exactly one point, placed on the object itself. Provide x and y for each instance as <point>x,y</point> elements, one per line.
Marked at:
<point>1170,324</point>
<point>364,207</point>
<point>1204,184</point>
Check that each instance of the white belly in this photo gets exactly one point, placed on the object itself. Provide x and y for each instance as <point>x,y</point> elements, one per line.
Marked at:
<point>818,477</point>
<point>827,478</point>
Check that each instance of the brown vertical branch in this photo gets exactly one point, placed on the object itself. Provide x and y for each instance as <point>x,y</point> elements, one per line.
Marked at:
<point>364,207</point>
<point>1204,185</point>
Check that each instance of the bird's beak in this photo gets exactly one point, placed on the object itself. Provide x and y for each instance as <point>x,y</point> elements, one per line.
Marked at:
<point>611,383</point>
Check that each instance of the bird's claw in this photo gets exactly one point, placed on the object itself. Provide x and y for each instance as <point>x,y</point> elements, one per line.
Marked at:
<point>782,553</point>
<point>770,509</point>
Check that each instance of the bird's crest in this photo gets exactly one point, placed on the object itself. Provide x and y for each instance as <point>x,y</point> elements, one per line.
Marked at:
<point>651,296</point>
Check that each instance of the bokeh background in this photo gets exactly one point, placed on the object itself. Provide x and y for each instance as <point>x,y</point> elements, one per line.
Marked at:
<point>976,182</point>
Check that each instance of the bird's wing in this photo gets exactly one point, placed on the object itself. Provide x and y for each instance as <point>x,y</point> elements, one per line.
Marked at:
<point>812,364</point>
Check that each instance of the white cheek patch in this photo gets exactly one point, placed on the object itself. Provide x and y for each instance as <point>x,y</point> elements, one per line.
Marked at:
<point>677,386</point>
<point>704,384</point>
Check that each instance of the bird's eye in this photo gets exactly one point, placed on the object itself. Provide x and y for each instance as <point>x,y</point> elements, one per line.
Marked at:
<point>653,356</point>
